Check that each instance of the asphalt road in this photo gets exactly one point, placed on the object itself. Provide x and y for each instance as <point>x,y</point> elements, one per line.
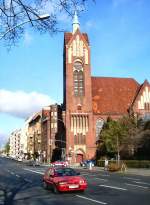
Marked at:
<point>21,185</point>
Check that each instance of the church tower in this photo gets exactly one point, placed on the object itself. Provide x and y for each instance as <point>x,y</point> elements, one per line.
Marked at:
<point>80,143</point>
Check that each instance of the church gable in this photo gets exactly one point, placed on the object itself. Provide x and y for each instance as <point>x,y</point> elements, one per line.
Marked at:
<point>77,45</point>
<point>142,99</point>
<point>113,96</point>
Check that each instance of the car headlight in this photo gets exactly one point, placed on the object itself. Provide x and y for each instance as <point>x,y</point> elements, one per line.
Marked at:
<point>82,181</point>
<point>62,183</point>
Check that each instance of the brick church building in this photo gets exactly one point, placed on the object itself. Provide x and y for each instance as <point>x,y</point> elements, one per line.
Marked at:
<point>88,101</point>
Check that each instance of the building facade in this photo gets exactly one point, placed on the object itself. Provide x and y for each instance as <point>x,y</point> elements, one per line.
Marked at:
<point>46,134</point>
<point>53,140</point>
<point>89,101</point>
<point>14,142</point>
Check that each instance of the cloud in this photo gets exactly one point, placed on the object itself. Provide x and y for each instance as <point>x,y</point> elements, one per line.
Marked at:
<point>21,104</point>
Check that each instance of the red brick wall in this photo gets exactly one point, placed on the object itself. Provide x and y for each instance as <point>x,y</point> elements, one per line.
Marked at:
<point>72,104</point>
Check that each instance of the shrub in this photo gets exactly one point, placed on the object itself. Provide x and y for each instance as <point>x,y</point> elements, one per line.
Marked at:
<point>137,163</point>
<point>113,167</point>
<point>100,163</point>
<point>129,163</point>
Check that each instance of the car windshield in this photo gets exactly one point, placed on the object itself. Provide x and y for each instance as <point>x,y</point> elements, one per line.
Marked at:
<point>65,172</point>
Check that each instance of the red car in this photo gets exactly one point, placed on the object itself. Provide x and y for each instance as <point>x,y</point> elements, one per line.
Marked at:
<point>62,179</point>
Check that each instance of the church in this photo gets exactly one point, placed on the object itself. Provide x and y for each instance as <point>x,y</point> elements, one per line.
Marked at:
<point>88,101</point>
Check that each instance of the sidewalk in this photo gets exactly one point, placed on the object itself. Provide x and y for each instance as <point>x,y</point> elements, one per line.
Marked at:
<point>136,171</point>
<point>139,171</point>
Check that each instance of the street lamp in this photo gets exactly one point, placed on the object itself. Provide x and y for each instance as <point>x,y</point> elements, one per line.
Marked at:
<point>41,17</point>
<point>118,153</point>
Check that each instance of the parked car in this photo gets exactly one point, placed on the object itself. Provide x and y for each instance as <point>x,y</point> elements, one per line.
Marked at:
<point>63,179</point>
<point>86,163</point>
<point>60,163</point>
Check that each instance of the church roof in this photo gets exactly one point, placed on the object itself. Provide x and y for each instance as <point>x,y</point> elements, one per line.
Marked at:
<point>68,36</point>
<point>113,95</point>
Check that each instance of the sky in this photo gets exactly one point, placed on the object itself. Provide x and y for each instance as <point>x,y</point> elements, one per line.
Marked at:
<point>31,73</point>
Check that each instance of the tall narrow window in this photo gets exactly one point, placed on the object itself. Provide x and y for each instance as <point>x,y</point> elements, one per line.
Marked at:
<point>81,83</point>
<point>147,106</point>
<point>78,79</point>
<point>75,75</point>
<point>99,126</point>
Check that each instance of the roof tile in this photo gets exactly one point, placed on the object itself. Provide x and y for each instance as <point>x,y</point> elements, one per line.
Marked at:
<point>113,95</point>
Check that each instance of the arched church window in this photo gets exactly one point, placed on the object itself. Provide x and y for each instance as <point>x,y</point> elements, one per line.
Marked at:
<point>81,83</point>
<point>78,78</point>
<point>99,126</point>
<point>78,65</point>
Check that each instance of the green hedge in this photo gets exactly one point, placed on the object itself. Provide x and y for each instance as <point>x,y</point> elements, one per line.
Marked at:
<point>137,163</point>
<point>129,163</point>
<point>100,163</point>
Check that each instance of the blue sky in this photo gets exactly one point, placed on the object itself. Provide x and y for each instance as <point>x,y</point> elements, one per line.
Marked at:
<point>31,74</point>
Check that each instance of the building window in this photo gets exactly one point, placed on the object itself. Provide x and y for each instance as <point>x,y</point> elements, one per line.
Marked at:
<point>78,78</point>
<point>79,139</point>
<point>99,126</point>
<point>147,106</point>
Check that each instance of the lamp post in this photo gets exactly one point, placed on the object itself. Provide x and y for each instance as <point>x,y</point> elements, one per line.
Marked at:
<point>118,154</point>
<point>41,17</point>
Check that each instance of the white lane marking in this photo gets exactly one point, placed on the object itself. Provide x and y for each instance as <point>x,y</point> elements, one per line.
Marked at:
<point>83,197</point>
<point>34,171</point>
<point>101,179</point>
<point>27,180</point>
<point>144,187</point>
<point>17,175</point>
<point>113,187</point>
<point>131,178</point>
<point>142,183</point>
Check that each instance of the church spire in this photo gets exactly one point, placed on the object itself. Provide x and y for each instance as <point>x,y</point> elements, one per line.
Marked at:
<point>75,23</point>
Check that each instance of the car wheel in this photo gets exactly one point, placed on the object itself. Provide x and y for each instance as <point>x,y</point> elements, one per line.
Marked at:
<point>55,190</point>
<point>45,185</point>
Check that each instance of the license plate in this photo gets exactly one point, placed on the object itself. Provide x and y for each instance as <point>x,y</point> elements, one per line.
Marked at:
<point>73,186</point>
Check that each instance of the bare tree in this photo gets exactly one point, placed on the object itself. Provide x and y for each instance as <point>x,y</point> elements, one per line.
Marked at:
<point>15,13</point>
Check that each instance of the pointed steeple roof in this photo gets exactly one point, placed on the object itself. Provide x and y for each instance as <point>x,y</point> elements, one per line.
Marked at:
<point>75,23</point>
